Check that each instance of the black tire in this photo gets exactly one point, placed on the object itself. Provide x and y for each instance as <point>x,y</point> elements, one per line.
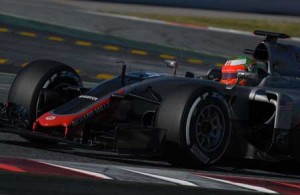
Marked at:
<point>37,76</point>
<point>180,113</point>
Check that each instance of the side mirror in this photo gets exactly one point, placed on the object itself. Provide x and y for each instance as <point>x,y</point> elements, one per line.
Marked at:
<point>247,75</point>
<point>243,75</point>
<point>214,74</point>
<point>172,64</point>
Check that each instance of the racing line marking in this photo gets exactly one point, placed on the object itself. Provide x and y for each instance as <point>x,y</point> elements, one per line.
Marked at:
<point>55,38</point>
<point>94,174</point>
<point>3,61</point>
<point>195,61</point>
<point>3,30</point>
<point>104,76</point>
<point>84,43</point>
<point>106,47</point>
<point>111,47</point>
<point>139,52</point>
<point>166,56</point>
<point>168,179</point>
<point>28,34</point>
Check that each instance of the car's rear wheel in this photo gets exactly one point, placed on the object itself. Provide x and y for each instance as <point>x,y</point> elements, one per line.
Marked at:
<point>198,126</point>
<point>39,88</point>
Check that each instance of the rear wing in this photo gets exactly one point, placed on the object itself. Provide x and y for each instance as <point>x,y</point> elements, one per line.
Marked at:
<point>271,37</point>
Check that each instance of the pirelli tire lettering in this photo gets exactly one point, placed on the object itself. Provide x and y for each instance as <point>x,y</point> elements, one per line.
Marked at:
<point>199,154</point>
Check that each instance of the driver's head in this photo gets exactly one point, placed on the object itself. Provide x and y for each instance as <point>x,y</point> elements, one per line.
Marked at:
<point>233,65</point>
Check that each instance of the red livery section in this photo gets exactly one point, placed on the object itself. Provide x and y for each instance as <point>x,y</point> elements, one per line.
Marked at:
<point>50,119</point>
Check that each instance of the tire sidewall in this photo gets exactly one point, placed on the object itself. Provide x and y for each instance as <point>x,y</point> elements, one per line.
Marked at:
<point>26,88</point>
<point>198,101</point>
<point>64,74</point>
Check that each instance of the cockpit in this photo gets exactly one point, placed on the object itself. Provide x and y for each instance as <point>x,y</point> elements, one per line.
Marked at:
<point>274,61</point>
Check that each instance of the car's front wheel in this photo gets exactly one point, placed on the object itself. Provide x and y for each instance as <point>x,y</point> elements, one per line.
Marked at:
<point>38,88</point>
<point>198,125</point>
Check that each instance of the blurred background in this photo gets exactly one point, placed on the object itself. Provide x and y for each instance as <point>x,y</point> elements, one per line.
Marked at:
<point>92,35</point>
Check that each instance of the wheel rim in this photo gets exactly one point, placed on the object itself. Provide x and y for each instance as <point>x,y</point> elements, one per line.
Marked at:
<point>210,127</point>
<point>58,87</point>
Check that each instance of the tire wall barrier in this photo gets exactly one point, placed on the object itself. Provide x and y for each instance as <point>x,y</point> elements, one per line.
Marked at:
<point>285,7</point>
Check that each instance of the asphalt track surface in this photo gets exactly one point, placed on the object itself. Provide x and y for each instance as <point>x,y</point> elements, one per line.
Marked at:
<point>81,16</point>
<point>105,6</point>
<point>22,45</point>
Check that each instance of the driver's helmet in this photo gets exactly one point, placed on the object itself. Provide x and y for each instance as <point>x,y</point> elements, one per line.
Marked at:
<point>235,64</point>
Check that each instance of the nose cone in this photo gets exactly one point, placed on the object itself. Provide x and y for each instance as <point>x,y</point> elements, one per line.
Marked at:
<point>51,120</point>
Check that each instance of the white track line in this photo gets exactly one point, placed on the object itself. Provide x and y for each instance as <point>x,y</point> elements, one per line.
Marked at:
<point>169,179</point>
<point>135,18</point>
<point>98,175</point>
<point>296,39</point>
<point>232,31</point>
<point>247,186</point>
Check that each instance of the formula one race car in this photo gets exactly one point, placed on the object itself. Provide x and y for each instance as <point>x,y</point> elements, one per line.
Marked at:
<point>185,118</point>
